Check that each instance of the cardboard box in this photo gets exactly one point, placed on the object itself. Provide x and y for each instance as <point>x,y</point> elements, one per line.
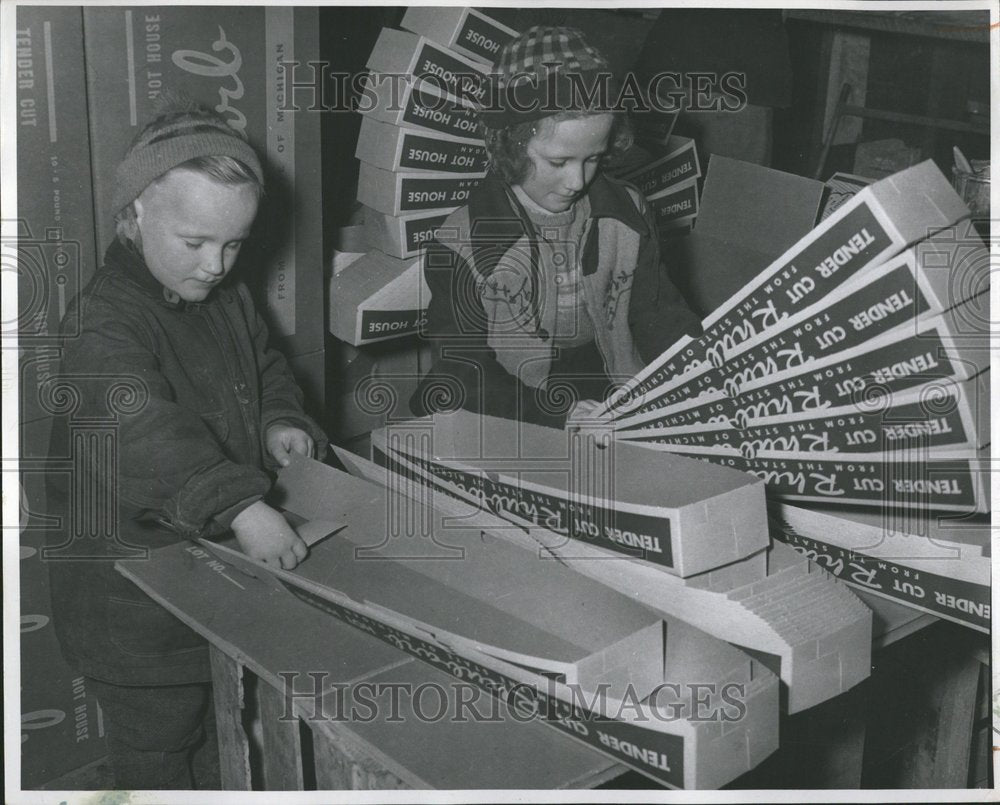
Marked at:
<point>667,412</point>
<point>375,388</point>
<point>395,193</point>
<point>662,746</point>
<point>395,148</point>
<point>401,236</point>
<point>464,30</point>
<point>892,297</point>
<point>377,297</point>
<point>226,58</point>
<point>675,206</point>
<point>934,480</point>
<point>839,188</point>
<point>654,126</point>
<point>55,250</point>
<point>668,172</point>
<point>530,475</point>
<point>60,723</point>
<point>950,415</point>
<point>404,53</point>
<point>737,236</point>
<point>866,231</point>
<point>950,345</point>
<point>938,567</point>
<point>403,102</point>
<point>310,373</point>
<point>953,415</point>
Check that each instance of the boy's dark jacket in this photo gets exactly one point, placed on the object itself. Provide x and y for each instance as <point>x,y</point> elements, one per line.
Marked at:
<point>467,248</point>
<point>180,395</point>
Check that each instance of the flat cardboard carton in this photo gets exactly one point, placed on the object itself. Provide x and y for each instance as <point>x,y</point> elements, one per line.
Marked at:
<point>401,236</point>
<point>926,563</point>
<point>950,345</point>
<point>953,415</point>
<point>377,297</point>
<point>450,73</point>
<point>944,480</point>
<point>478,619</point>
<point>226,58</point>
<point>464,30</point>
<point>395,193</point>
<point>395,148</point>
<point>894,297</point>
<point>404,102</point>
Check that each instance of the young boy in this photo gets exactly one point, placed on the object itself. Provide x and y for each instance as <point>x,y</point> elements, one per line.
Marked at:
<point>213,408</point>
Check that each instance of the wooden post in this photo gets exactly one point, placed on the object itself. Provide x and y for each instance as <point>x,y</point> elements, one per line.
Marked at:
<point>281,751</point>
<point>234,749</point>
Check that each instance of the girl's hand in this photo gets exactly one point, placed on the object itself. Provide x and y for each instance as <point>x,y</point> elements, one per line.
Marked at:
<point>584,414</point>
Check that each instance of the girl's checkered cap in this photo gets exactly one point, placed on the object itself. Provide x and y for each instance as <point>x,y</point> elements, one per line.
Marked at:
<point>542,48</point>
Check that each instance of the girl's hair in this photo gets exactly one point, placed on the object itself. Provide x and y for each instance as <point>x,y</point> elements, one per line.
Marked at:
<point>226,170</point>
<point>508,147</point>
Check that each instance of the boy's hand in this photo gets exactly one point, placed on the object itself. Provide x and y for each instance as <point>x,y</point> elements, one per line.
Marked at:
<point>283,440</point>
<point>264,535</point>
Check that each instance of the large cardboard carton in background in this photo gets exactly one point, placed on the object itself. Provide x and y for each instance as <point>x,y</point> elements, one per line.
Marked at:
<point>737,236</point>
<point>227,58</point>
<point>55,233</point>
<point>60,722</point>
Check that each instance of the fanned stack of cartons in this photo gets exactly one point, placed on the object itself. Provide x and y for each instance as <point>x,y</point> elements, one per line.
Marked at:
<point>420,155</point>
<point>852,371</point>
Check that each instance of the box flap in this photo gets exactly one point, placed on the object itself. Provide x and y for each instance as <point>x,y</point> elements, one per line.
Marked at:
<point>737,236</point>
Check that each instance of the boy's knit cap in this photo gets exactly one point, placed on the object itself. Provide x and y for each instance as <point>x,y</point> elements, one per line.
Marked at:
<point>547,70</point>
<point>190,136</point>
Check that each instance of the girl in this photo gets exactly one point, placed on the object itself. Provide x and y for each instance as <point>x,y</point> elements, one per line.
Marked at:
<point>547,288</point>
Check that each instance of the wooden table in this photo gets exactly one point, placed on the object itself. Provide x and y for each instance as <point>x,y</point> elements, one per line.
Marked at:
<point>260,639</point>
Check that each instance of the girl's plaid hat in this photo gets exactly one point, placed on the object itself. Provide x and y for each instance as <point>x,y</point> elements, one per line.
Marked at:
<point>544,71</point>
<point>158,149</point>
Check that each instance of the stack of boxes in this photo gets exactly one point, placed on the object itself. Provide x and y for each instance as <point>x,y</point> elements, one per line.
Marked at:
<point>852,370</point>
<point>670,184</point>
<point>420,156</point>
